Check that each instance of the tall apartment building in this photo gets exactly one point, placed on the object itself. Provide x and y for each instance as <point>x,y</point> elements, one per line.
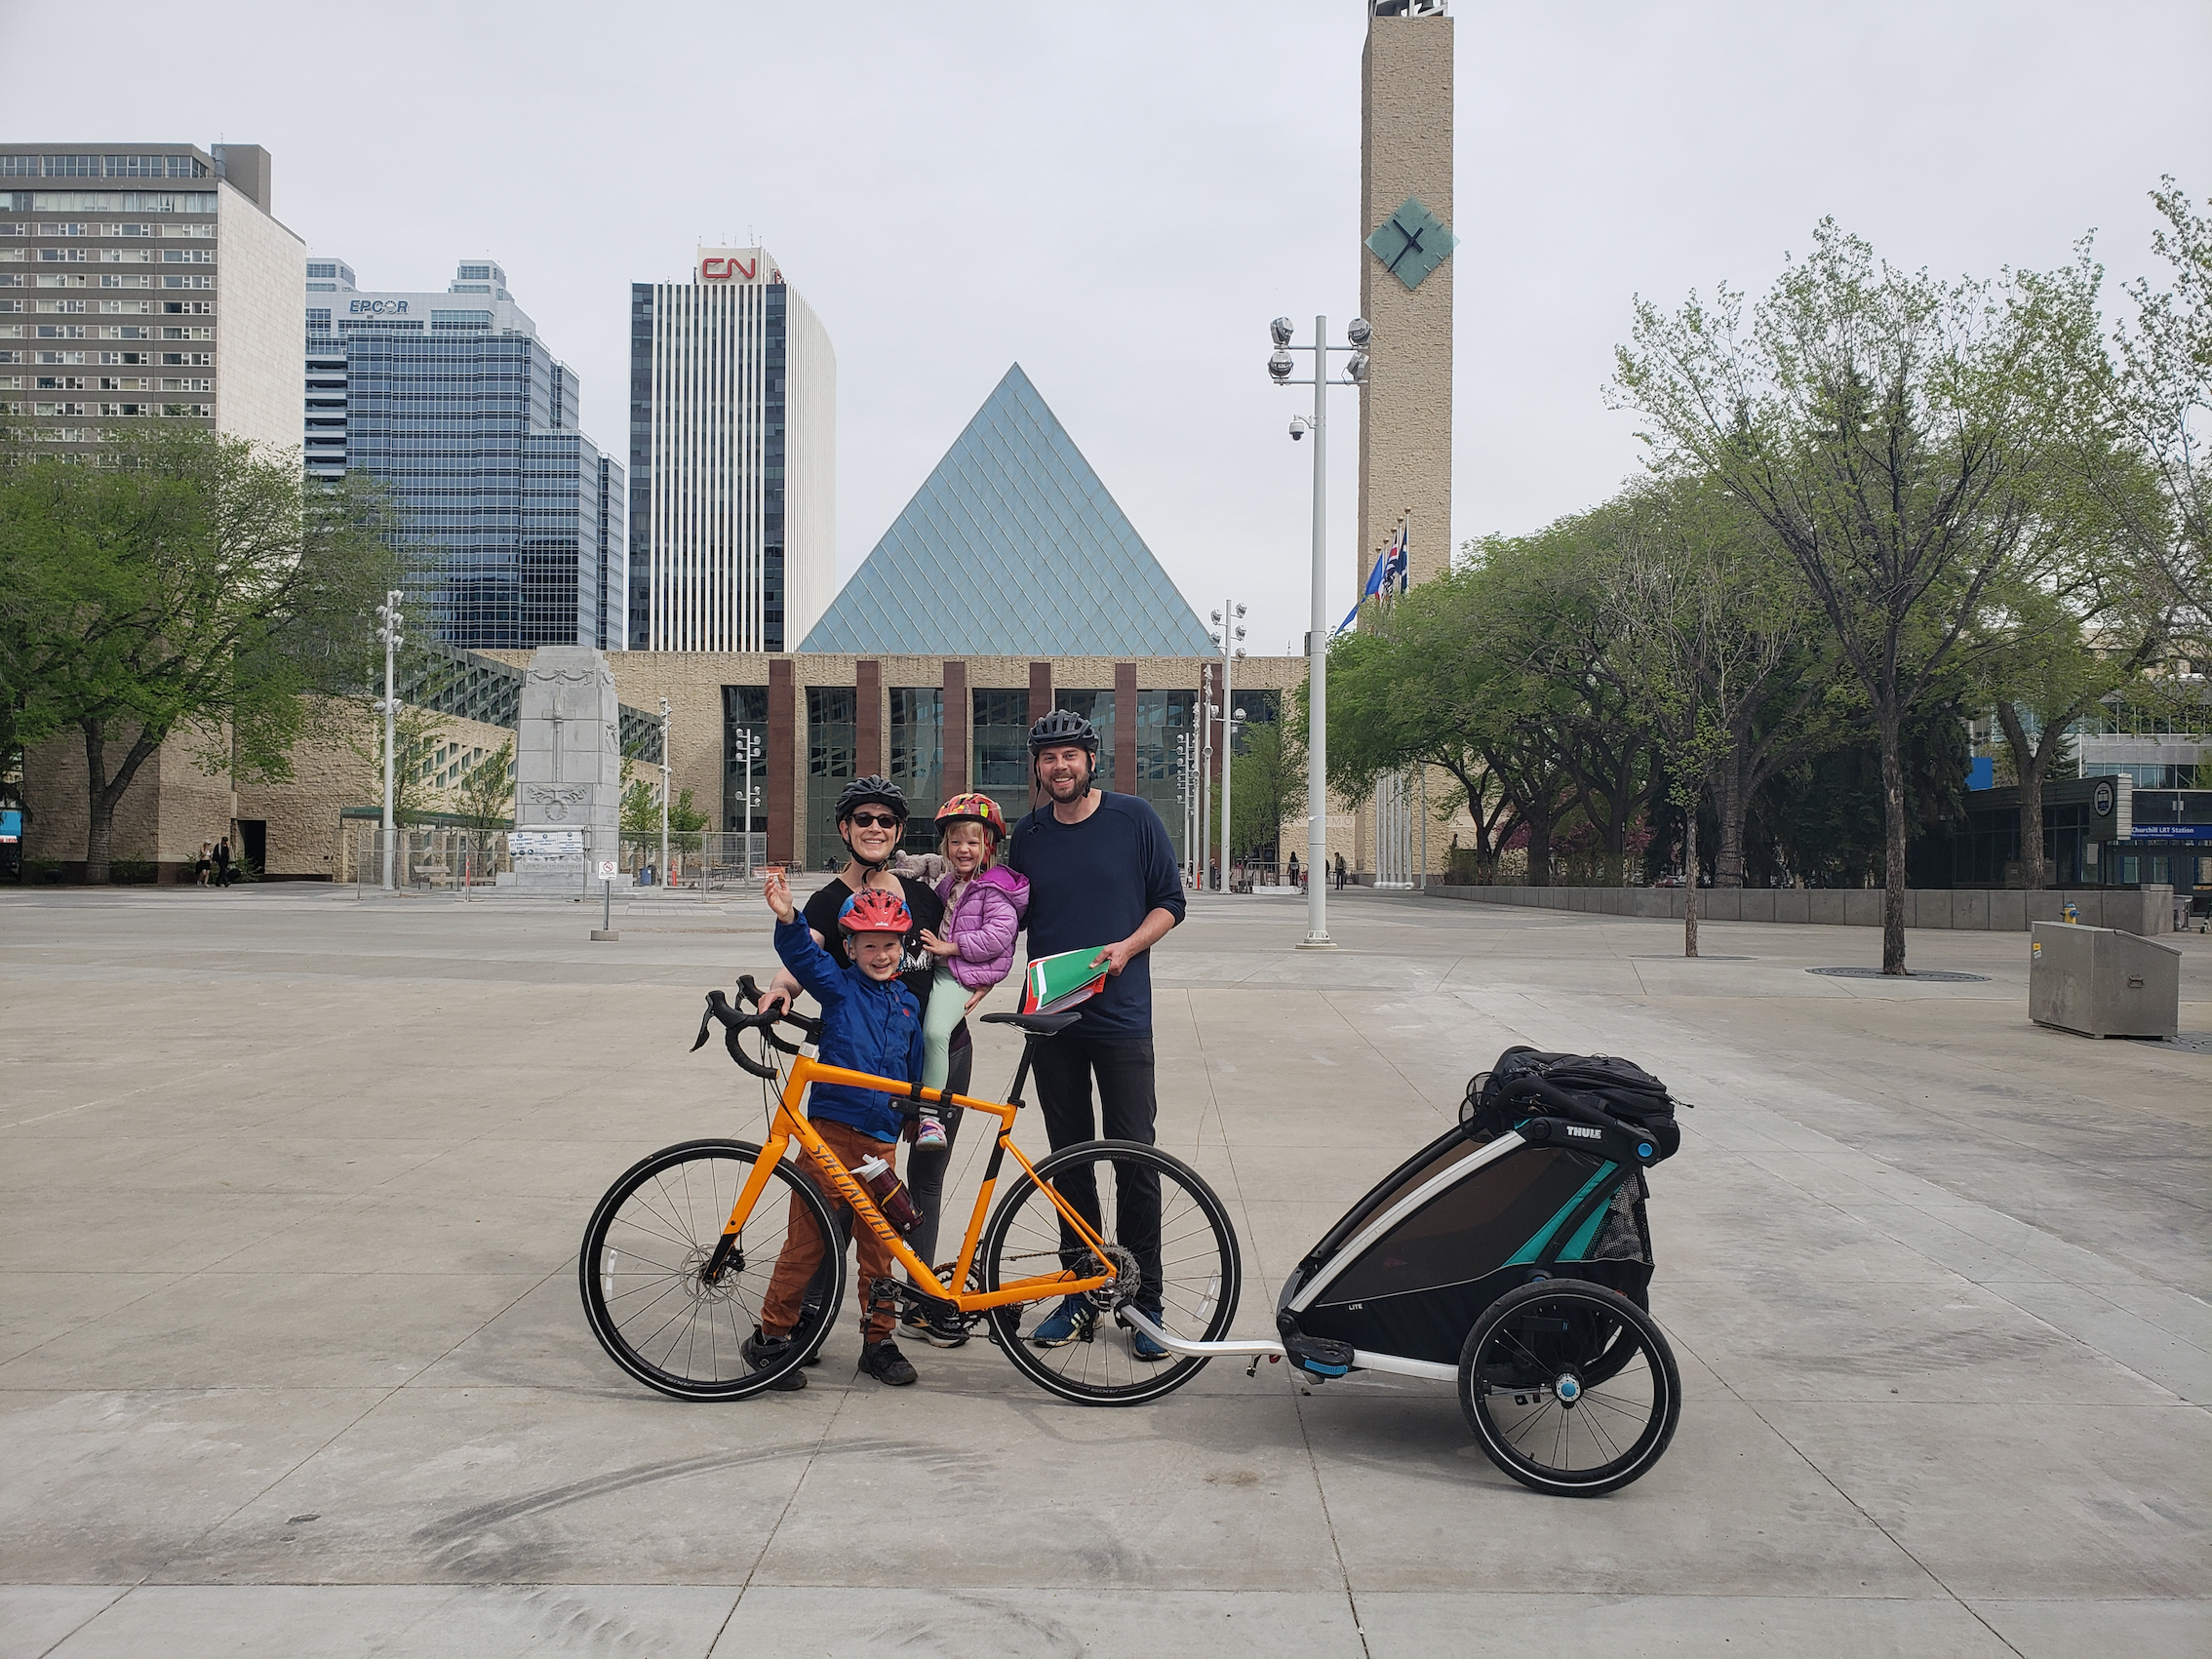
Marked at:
<point>453,401</point>
<point>146,282</point>
<point>732,459</point>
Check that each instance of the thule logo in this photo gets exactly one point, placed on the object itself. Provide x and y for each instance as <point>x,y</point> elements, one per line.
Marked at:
<point>1586,1134</point>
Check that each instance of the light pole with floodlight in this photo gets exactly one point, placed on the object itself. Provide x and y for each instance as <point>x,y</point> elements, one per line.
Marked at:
<point>1227,635</point>
<point>1357,332</point>
<point>389,622</point>
<point>664,873</point>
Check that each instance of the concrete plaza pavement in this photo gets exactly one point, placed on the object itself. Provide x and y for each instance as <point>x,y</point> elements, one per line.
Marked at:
<point>292,1363</point>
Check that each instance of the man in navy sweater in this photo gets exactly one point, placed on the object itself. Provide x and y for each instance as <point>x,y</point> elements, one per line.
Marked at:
<point>1102,873</point>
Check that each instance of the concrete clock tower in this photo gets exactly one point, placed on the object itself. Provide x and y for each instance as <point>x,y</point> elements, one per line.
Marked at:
<point>1405,209</point>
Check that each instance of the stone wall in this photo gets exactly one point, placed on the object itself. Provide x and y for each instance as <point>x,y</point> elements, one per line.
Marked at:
<point>2131,910</point>
<point>171,806</point>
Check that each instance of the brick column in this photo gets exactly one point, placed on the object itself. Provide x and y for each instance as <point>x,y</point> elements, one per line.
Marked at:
<point>1040,705</point>
<point>1124,727</point>
<point>958,708</point>
<point>868,731</point>
<point>783,749</point>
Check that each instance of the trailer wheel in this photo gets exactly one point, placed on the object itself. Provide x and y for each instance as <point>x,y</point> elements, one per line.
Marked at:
<point>1569,1386</point>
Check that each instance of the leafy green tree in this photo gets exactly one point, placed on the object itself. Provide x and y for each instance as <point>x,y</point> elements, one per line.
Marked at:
<point>1270,785</point>
<point>1444,677</point>
<point>487,790</point>
<point>2160,412</point>
<point>641,812</point>
<point>1882,425</point>
<point>183,584</point>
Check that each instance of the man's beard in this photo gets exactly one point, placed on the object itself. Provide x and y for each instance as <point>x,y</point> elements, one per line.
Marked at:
<point>1065,788</point>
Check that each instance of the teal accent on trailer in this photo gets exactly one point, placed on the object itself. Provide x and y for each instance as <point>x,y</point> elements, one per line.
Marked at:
<point>1529,1252</point>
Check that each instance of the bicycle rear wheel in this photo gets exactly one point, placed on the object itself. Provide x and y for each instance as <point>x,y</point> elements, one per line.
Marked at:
<point>1569,1386</point>
<point>641,1270</point>
<point>1182,1270</point>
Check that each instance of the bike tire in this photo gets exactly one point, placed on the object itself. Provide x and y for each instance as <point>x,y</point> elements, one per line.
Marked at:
<point>639,1271</point>
<point>1201,1271</point>
<point>1514,1373</point>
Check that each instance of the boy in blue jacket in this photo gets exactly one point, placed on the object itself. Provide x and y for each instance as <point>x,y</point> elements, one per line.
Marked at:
<point>870,1023</point>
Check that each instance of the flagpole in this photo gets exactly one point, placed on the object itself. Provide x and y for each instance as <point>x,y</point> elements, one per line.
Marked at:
<point>1317,671</point>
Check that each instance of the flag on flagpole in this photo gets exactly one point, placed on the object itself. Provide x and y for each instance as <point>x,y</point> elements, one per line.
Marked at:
<point>1389,573</point>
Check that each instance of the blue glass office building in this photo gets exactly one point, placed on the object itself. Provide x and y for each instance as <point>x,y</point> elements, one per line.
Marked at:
<point>453,399</point>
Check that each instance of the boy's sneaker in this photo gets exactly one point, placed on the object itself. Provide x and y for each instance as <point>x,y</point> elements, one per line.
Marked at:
<point>939,1325</point>
<point>761,1351</point>
<point>930,1133</point>
<point>885,1363</point>
<point>1072,1318</point>
<point>1142,1346</point>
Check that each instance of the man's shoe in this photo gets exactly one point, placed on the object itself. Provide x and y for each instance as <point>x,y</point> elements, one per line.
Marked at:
<point>1143,1346</point>
<point>761,1351</point>
<point>885,1363</point>
<point>1072,1318</point>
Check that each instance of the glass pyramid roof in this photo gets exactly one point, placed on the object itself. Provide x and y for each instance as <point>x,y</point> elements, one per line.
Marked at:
<point>1011,547</point>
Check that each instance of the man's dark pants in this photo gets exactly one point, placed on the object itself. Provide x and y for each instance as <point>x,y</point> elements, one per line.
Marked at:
<point>1064,1066</point>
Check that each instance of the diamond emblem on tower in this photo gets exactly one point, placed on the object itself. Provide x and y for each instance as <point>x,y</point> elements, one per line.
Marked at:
<point>1412,243</point>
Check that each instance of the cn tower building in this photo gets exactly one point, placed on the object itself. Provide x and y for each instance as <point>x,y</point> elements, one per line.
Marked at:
<point>732,459</point>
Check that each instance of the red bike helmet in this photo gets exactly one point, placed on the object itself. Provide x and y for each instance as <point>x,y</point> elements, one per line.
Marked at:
<point>974,810</point>
<point>876,912</point>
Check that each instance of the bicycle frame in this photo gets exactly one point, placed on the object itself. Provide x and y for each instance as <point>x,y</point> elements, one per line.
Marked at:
<point>791,1125</point>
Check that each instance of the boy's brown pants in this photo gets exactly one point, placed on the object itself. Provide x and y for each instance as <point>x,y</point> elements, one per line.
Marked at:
<point>802,1244</point>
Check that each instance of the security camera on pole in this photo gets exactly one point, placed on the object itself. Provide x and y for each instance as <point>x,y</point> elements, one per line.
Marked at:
<point>389,622</point>
<point>1280,365</point>
<point>1226,633</point>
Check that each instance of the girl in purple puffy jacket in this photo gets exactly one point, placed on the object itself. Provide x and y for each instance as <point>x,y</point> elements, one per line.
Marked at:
<point>983,907</point>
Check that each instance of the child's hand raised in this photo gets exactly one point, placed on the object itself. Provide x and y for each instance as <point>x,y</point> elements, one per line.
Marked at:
<point>777,891</point>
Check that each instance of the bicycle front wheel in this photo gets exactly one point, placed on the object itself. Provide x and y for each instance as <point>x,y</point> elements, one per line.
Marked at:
<point>643,1270</point>
<point>1173,1251</point>
<point>1569,1386</point>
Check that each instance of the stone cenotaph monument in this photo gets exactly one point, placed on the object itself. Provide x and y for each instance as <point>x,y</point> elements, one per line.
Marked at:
<point>568,773</point>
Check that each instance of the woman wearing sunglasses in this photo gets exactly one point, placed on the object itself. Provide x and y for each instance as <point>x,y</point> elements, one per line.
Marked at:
<point>871,820</point>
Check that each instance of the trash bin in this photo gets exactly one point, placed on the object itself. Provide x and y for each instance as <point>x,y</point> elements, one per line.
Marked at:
<point>2102,982</point>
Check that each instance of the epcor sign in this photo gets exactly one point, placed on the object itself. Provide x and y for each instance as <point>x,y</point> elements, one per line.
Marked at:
<point>734,270</point>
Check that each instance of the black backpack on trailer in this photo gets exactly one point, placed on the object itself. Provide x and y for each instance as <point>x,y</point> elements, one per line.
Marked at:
<point>1508,1094</point>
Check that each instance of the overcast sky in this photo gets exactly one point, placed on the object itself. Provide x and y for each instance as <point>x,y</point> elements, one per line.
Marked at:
<point>1118,196</point>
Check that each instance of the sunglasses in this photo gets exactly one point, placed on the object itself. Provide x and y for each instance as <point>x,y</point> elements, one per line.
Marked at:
<point>875,820</point>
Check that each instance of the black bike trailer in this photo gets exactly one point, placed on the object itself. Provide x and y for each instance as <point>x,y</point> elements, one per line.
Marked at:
<point>1512,1257</point>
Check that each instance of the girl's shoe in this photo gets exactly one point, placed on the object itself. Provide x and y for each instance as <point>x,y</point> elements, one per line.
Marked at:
<point>930,1133</point>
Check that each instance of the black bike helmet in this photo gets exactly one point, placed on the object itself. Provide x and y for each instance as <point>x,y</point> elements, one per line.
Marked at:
<point>1062,728</point>
<point>871,792</point>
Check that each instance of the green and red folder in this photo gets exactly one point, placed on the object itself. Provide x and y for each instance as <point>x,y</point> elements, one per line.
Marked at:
<point>1053,983</point>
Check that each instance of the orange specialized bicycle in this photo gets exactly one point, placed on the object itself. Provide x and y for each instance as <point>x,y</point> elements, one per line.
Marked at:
<point>679,1254</point>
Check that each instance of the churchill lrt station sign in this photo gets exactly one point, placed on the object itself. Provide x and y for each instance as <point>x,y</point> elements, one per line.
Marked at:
<point>2171,815</point>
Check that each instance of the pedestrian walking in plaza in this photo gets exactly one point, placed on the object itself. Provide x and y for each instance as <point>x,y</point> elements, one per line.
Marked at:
<point>222,862</point>
<point>1294,869</point>
<point>871,820</point>
<point>1340,871</point>
<point>204,871</point>
<point>1101,874</point>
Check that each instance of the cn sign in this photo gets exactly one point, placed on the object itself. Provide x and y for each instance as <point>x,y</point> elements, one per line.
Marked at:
<point>737,267</point>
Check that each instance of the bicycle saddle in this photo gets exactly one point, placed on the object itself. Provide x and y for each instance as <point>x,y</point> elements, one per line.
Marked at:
<point>1036,1024</point>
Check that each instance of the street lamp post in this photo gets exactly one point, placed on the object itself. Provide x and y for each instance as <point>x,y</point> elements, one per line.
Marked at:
<point>388,625</point>
<point>1357,332</point>
<point>1230,623</point>
<point>748,751</point>
<point>1205,710</point>
<point>663,883</point>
